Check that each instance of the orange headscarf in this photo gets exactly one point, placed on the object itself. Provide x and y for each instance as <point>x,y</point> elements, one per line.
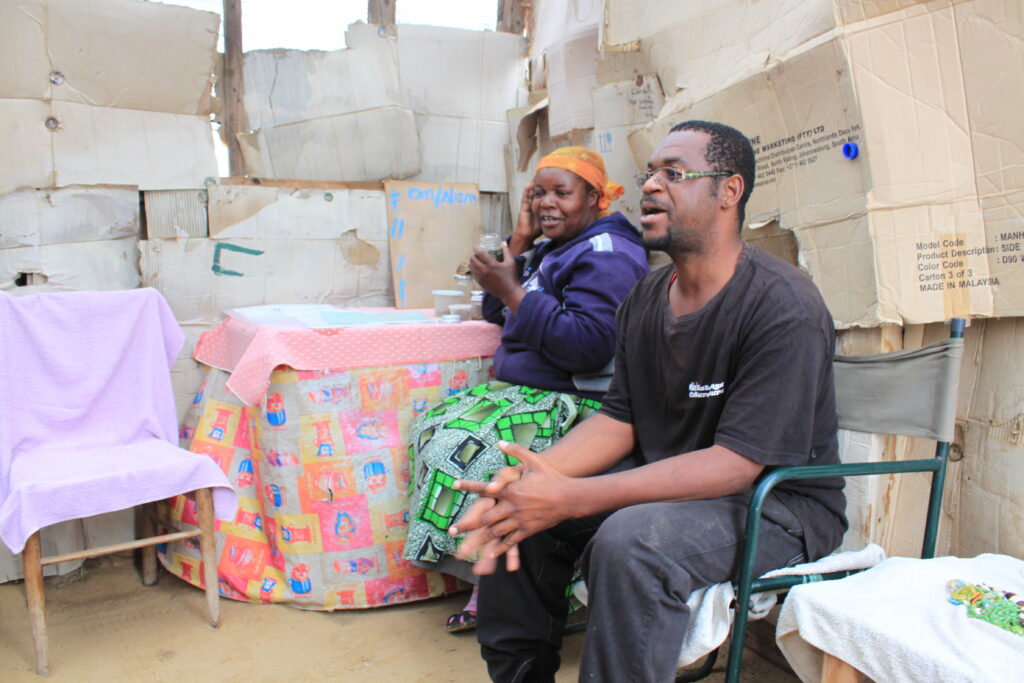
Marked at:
<point>589,166</point>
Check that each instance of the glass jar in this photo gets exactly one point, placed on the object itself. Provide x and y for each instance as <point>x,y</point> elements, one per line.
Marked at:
<point>476,302</point>
<point>463,282</point>
<point>491,243</point>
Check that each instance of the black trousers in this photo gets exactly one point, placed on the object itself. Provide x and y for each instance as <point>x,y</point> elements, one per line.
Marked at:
<point>640,564</point>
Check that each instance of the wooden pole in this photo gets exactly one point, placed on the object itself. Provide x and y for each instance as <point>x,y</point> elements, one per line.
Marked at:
<point>208,549</point>
<point>512,17</point>
<point>232,90</point>
<point>30,557</point>
<point>147,529</point>
<point>381,12</point>
<point>835,670</point>
<point>118,547</point>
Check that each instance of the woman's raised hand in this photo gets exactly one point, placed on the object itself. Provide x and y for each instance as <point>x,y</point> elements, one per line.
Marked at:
<point>527,228</point>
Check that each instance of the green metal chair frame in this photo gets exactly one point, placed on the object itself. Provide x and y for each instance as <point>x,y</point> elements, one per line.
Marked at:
<point>748,584</point>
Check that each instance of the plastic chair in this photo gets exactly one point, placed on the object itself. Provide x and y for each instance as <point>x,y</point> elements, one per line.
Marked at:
<point>908,393</point>
<point>87,425</point>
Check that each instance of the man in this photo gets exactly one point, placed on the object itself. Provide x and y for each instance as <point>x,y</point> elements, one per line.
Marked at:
<point>722,371</point>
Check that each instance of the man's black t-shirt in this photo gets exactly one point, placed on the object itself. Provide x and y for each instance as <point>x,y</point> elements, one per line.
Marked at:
<point>750,371</point>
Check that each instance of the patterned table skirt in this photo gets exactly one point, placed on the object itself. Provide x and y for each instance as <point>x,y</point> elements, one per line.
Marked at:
<point>322,473</point>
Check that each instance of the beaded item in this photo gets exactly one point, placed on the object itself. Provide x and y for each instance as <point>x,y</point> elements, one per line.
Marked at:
<point>999,608</point>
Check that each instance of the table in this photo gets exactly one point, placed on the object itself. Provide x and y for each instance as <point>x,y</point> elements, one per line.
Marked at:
<point>896,622</point>
<point>311,427</point>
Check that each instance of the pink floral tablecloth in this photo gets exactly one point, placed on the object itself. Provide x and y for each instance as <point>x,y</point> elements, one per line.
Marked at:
<point>250,352</point>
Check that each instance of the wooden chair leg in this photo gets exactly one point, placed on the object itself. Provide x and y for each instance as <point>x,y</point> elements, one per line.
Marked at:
<point>208,549</point>
<point>147,529</point>
<point>33,569</point>
<point>835,670</point>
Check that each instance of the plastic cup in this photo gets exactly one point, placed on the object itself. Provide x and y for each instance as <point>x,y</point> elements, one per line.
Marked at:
<point>464,311</point>
<point>443,298</point>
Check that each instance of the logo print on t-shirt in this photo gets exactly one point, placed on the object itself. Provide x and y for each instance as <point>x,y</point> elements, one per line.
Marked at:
<point>706,390</point>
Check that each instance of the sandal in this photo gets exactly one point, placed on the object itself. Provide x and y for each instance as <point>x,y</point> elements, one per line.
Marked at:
<point>462,621</point>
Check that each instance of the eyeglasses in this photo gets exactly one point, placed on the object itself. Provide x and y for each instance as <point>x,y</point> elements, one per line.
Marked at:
<point>668,174</point>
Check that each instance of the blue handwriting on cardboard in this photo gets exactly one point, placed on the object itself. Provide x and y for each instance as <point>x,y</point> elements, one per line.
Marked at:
<point>441,195</point>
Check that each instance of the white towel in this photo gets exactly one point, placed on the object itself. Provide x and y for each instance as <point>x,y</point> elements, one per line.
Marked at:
<point>895,623</point>
<point>866,557</point>
<point>710,607</point>
<point>711,614</point>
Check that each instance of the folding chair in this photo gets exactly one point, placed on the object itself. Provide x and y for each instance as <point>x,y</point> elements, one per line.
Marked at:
<point>909,393</point>
<point>87,425</point>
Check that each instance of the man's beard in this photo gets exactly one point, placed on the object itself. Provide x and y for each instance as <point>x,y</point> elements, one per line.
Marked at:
<point>676,241</point>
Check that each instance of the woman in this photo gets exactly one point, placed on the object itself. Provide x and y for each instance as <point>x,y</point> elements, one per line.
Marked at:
<point>556,300</point>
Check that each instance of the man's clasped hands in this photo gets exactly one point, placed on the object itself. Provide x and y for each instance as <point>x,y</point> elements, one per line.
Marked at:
<point>518,502</point>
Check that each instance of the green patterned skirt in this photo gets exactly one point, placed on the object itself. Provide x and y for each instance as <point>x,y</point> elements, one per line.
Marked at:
<point>457,439</point>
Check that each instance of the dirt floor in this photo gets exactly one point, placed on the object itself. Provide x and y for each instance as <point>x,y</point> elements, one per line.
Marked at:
<point>108,627</point>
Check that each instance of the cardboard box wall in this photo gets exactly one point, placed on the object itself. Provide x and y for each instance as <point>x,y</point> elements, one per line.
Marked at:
<point>72,266</point>
<point>570,68</point>
<point>366,145</point>
<point>617,107</point>
<point>73,214</point>
<point>417,102</point>
<point>326,213</point>
<point>898,234</point>
<point>291,86</point>
<point>175,213</point>
<point>554,20</point>
<point>571,75</point>
<point>106,92</point>
<point>703,46</point>
<point>69,239</point>
<point>990,505</point>
<point>201,278</point>
<point>123,54</point>
<point>983,509</point>
<point>101,146</point>
<point>275,245</point>
<point>233,209</point>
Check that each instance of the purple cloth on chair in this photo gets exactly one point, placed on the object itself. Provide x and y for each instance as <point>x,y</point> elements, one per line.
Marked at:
<point>87,419</point>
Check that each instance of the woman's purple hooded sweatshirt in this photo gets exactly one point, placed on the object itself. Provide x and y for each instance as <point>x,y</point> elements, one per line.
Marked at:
<point>563,336</point>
